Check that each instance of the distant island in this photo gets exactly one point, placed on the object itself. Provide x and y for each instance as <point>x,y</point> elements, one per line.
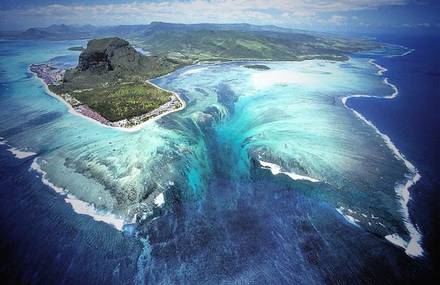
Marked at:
<point>257,66</point>
<point>75,48</point>
<point>110,84</point>
<point>216,42</point>
<point>191,43</point>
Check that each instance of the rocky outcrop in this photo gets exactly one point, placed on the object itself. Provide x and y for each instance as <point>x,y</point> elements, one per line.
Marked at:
<point>109,60</point>
<point>110,54</point>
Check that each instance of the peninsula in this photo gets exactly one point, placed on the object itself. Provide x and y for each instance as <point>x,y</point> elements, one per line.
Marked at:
<point>110,84</point>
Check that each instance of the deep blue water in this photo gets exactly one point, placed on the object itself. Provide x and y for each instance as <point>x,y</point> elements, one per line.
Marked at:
<point>258,229</point>
<point>43,243</point>
<point>413,122</point>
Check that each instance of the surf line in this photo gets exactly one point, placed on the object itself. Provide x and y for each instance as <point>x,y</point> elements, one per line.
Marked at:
<point>276,169</point>
<point>412,247</point>
<point>18,153</point>
<point>408,51</point>
<point>79,206</point>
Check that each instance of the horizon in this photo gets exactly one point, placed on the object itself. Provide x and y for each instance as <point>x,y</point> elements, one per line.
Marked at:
<point>421,31</point>
<point>402,16</point>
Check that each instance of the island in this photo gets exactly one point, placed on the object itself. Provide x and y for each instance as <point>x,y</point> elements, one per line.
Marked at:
<point>110,84</point>
<point>78,48</point>
<point>192,43</point>
<point>257,66</point>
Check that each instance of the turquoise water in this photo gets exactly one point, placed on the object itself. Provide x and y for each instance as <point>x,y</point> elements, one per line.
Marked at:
<point>244,136</point>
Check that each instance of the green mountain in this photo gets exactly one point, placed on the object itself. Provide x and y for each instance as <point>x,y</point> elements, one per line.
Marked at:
<point>112,60</point>
<point>110,78</point>
<point>111,74</point>
<point>188,43</point>
<point>62,32</point>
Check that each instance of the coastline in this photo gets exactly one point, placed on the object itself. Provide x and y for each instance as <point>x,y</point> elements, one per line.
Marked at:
<point>152,118</point>
<point>134,128</point>
<point>412,247</point>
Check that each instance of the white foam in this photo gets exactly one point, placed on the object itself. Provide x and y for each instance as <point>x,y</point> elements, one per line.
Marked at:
<point>79,206</point>
<point>276,169</point>
<point>385,81</point>
<point>413,247</point>
<point>403,54</point>
<point>20,154</point>
<point>381,68</point>
<point>408,52</point>
<point>295,176</point>
<point>397,240</point>
<point>159,200</point>
<point>88,209</point>
<point>395,90</point>
<point>347,217</point>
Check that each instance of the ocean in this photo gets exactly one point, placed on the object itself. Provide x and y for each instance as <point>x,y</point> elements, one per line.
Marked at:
<point>265,177</point>
<point>413,121</point>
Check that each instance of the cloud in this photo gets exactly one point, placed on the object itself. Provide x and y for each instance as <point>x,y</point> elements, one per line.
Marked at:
<point>220,11</point>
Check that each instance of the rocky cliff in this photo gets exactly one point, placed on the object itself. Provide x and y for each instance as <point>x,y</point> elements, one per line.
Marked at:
<point>113,59</point>
<point>110,54</point>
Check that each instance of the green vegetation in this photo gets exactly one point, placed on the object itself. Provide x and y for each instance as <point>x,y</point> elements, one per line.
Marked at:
<point>110,74</point>
<point>257,66</point>
<point>110,78</point>
<point>207,45</point>
<point>119,101</point>
<point>76,48</point>
<point>189,43</point>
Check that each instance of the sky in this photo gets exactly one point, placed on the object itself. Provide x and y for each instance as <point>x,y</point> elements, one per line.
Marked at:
<point>320,15</point>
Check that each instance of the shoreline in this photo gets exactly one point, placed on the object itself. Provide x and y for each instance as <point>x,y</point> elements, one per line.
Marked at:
<point>401,189</point>
<point>134,128</point>
<point>182,102</point>
<point>412,247</point>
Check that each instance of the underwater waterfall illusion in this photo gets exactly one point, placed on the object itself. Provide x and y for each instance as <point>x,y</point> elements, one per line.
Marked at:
<point>253,154</point>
